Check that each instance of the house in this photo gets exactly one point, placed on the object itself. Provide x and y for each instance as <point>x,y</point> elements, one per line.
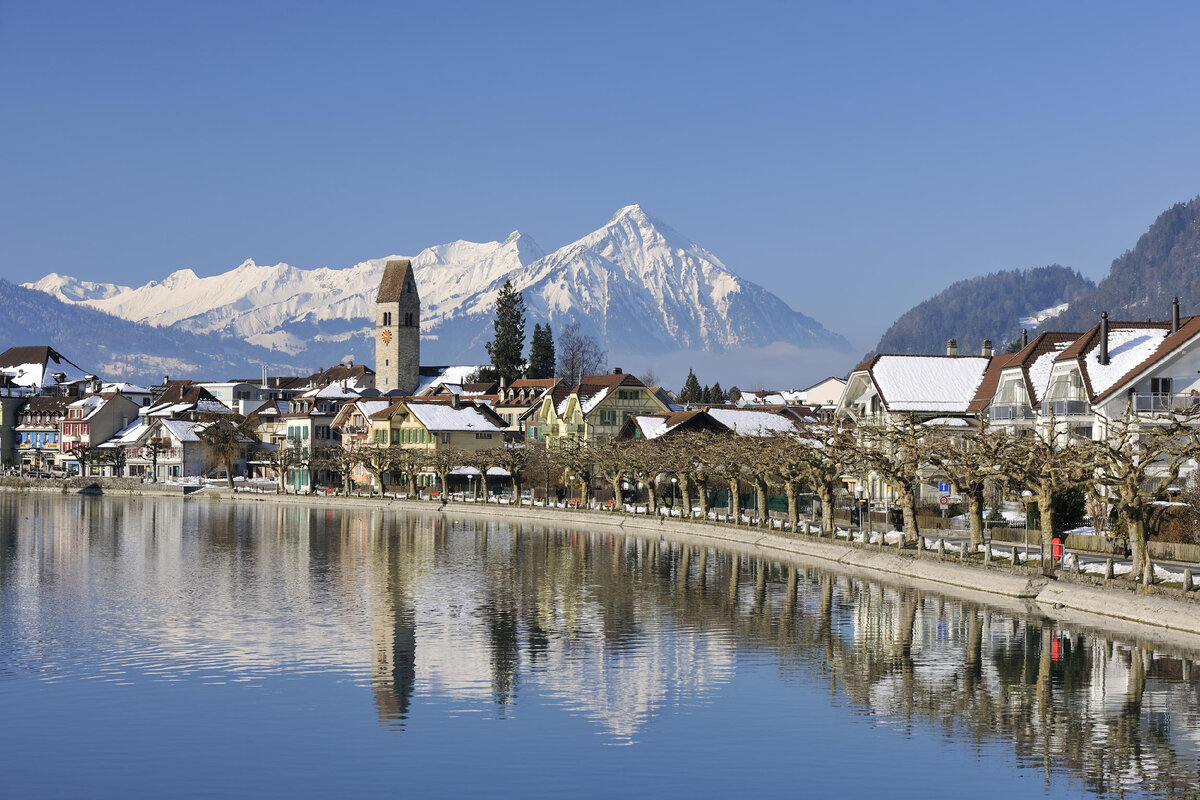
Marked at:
<point>42,368</point>
<point>1148,368</point>
<point>353,423</point>
<point>162,449</point>
<point>429,424</point>
<point>517,403</point>
<point>886,389</point>
<point>308,425</point>
<point>12,400</point>
<point>1015,384</point>
<point>89,422</point>
<point>349,375</point>
<point>183,400</point>
<point>594,410</point>
<point>36,434</point>
<point>665,425</point>
<point>759,421</point>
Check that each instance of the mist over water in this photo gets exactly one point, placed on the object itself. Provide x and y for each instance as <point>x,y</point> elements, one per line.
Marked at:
<point>156,646</point>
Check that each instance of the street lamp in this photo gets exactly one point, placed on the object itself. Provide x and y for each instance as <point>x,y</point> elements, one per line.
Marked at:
<point>674,483</point>
<point>570,488</point>
<point>858,503</point>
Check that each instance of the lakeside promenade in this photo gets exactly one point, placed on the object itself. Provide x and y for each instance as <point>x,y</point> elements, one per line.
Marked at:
<point>1116,604</point>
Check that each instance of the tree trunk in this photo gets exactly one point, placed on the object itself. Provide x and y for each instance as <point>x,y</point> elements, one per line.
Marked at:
<point>1046,509</point>
<point>702,491</point>
<point>825,493</point>
<point>685,494</point>
<point>760,487</point>
<point>793,514</point>
<point>975,511</point>
<point>651,497</point>
<point>735,501</point>
<point>908,503</point>
<point>1135,533</point>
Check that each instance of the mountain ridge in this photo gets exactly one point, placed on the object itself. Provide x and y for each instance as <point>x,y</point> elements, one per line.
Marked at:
<point>634,283</point>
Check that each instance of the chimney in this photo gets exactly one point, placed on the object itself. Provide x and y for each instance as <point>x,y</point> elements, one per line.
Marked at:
<point>503,383</point>
<point>986,350</point>
<point>264,381</point>
<point>1024,338</point>
<point>1104,338</point>
<point>616,370</point>
<point>166,379</point>
<point>1175,315</point>
<point>952,347</point>
<point>454,399</point>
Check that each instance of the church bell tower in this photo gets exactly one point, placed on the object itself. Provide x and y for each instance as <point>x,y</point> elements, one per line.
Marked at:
<point>397,329</point>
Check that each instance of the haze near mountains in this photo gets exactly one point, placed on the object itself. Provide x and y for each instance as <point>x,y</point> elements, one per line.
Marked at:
<point>635,283</point>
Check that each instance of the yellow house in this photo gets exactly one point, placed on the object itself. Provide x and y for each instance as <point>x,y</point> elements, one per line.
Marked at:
<point>430,424</point>
<point>594,410</point>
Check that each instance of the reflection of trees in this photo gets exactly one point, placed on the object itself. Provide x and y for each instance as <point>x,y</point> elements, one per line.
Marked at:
<point>480,610</point>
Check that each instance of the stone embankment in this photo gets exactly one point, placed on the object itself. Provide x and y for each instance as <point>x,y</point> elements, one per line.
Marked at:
<point>1107,604</point>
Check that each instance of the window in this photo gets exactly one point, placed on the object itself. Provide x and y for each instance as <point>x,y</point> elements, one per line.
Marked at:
<point>408,319</point>
<point>445,438</point>
<point>1160,386</point>
<point>608,417</point>
<point>387,318</point>
<point>395,436</point>
<point>483,436</point>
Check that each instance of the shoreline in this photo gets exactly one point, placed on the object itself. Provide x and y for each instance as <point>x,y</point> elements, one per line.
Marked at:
<point>1117,606</point>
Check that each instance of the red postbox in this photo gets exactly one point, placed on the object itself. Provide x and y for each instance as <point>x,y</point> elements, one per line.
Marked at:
<point>1056,550</point>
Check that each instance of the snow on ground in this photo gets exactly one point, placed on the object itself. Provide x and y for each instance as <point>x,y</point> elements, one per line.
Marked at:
<point>1038,317</point>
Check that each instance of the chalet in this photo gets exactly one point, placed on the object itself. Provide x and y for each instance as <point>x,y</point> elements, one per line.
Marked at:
<point>594,410</point>
<point>432,424</point>
<point>1012,391</point>
<point>886,389</point>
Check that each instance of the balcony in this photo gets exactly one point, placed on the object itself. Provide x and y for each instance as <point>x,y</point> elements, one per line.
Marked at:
<point>1011,411</point>
<point>1066,408</point>
<point>1163,403</point>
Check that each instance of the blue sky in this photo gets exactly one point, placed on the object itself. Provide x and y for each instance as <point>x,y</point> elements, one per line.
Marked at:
<point>854,158</point>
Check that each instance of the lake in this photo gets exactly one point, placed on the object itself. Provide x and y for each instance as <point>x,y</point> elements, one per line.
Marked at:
<point>154,647</point>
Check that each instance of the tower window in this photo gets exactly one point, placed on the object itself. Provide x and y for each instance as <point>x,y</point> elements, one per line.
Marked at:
<point>408,319</point>
<point>387,318</point>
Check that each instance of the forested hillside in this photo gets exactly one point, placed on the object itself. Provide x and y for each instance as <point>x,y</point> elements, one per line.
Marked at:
<point>1163,264</point>
<point>987,307</point>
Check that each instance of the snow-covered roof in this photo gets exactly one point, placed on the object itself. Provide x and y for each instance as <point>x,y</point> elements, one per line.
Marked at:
<point>182,430</point>
<point>34,367</point>
<point>946,422</point>
<point>369,407</point>
<point>443,417</point>
<point>928,383</point>
<point>455,375</point>
<point>1127,348</point>
<point>651,427</point>
<point>130,434</point>
<point>334,391</point>
<point>586,404</point>
<point>752,423</point>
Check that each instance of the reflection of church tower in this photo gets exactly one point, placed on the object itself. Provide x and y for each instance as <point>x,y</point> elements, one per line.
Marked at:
<point>398,329</point>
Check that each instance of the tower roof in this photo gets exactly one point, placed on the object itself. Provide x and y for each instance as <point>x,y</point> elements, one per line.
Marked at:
<point>395,275</point>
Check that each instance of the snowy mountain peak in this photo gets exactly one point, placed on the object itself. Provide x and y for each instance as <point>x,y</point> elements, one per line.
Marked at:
<point>635,283</point>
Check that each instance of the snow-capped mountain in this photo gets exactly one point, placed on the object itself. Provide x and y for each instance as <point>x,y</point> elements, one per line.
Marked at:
<point>635,283</point>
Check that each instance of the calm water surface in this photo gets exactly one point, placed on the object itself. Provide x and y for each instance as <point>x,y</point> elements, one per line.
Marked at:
<point>161,647</point>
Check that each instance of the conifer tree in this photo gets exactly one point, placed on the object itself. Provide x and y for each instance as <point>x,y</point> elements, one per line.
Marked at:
<point>509,327</point>
<point>706,395</point>
<point>691,389</point>
<point>541,352</point>
<point>718,394</point>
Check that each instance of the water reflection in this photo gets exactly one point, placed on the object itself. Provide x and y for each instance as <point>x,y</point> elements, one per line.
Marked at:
<point>478,615</point>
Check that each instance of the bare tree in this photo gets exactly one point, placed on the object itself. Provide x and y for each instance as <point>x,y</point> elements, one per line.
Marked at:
<point>512,458</point>
<point>972,460</point>
<point>828,453</point>
<point>1046,465</point>
<point>896,452</point>
<point>227,436</point>
<point>579,354</point>
<point>338,460</point>
<point>1133,453</point>
<point>379,460</point>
